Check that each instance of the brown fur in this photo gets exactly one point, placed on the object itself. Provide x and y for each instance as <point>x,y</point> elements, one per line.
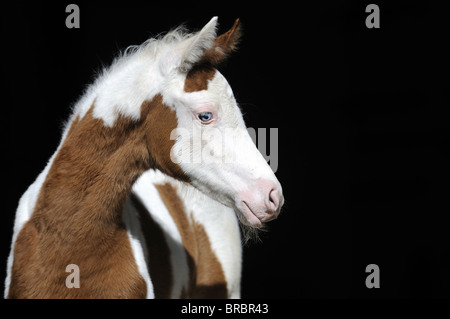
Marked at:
<point>159,263</point>
<point>207,276</point>
<point>77,217</point>
<point>198,77</point>
<point>207,279</point>
<point>223,45</point>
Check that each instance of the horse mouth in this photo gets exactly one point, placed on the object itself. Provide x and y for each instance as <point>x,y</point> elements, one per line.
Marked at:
<point>250,217</point>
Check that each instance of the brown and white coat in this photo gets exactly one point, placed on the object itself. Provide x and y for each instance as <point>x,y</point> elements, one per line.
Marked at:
<point>119,200</point>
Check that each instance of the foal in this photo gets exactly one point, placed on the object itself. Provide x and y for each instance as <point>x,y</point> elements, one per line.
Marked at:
<point>125,198</point>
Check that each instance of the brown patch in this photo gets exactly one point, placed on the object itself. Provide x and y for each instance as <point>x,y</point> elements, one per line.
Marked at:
<point>159,121</point>
<point>177,210</point>
<point>207,279</point>
<point>158,250</point>
<point>198,77</point>
<point>77,217</point>
<point>211,282</point>
<point>201,73</point>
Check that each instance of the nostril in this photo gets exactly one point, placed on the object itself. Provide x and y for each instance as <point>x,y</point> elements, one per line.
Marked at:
<point>270,197</point>
<point>273,199</point>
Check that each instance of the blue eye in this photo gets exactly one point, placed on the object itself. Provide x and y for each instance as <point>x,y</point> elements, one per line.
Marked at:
<point>204,116</point>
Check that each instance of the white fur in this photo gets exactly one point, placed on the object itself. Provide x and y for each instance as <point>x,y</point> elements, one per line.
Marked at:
<point>222,228</point>
<point>222,179</point>
<point>160,66</point>
<point>146,192</point>
<point>121,89</point>
<point>219,222</point>
<point>143,72</point>
<point>138,246</point>
<point>25,210</point>
<point>23,214</point>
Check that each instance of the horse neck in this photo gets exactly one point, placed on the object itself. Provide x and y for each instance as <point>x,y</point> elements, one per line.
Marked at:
<point>91,175</point>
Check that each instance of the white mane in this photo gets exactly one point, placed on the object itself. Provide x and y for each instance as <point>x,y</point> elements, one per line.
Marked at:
<point>141,71</point>
<point>152,47</point>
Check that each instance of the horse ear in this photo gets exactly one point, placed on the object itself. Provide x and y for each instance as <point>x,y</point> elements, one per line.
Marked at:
<point>189,51</point>
<point>223,45</point>
<point>198,44</point>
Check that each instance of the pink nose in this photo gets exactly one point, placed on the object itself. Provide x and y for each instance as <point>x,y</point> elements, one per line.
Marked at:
<point>260,203</point>
<point>274,201</point>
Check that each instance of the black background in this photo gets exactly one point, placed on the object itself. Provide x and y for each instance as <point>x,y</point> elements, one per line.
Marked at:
<point>362,116</point>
